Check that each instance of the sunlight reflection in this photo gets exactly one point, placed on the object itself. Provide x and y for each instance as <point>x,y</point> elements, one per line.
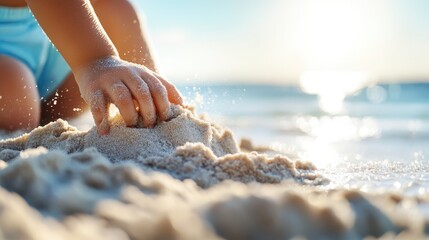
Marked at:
<point>332,87</point>
<point>320,152</point>
<point>328,132</point>
<point>341,128</point>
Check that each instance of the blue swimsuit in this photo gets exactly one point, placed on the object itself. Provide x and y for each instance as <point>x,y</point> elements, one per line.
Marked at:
<point>22,39</point>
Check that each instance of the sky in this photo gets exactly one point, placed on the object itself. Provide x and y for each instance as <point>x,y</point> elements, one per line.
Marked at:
<point>282,41</point>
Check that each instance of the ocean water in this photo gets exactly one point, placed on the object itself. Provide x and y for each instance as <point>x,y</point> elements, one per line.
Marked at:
<point>377,139</point>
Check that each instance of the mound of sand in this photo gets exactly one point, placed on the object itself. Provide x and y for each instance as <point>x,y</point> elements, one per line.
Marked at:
<point>184,179</point>
<point>185,147</point>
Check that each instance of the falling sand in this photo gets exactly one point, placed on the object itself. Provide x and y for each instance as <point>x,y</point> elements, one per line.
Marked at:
<point>184,179</point>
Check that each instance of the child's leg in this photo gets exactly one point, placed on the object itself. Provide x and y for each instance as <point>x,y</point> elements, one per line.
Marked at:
<point>65,103</point>
<point>19,99</point>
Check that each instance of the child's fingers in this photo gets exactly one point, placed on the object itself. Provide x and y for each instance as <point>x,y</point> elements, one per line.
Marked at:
<point>121,97</point>
<point>142,95</point>
<point>173,94</point>
<point>104,127</point>
<point>159,95</point>
<point>99,110</point>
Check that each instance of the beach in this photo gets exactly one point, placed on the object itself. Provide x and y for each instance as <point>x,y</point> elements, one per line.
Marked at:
<point>192,178</point>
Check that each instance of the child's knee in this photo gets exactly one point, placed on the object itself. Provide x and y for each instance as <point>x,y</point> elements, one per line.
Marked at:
<point>19,99</point>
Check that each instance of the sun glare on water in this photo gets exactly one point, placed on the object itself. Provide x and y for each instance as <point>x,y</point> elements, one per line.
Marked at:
<point>332,87</point>
<point>331,38</point>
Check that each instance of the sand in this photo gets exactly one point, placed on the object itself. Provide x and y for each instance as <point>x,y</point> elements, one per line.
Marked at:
<point>184,179</point>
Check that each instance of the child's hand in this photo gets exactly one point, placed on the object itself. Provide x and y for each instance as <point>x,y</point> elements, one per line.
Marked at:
<point>111,80</point>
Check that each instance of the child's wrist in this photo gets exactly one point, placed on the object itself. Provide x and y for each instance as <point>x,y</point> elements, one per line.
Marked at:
<point>95,63</point>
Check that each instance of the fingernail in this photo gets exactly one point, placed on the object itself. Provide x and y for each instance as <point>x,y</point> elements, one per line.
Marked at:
<point>149,125</point>
<point>167,114</point>
<point>101,132</point>
<point>103,128</point>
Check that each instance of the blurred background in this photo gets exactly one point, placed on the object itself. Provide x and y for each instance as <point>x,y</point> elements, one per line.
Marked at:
<point>279,41</point>
<point>341,83</point>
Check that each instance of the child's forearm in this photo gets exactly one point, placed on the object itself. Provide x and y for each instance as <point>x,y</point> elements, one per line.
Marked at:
<point>125,29</point>
<point>103,77</point>
<point>73,28</point>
